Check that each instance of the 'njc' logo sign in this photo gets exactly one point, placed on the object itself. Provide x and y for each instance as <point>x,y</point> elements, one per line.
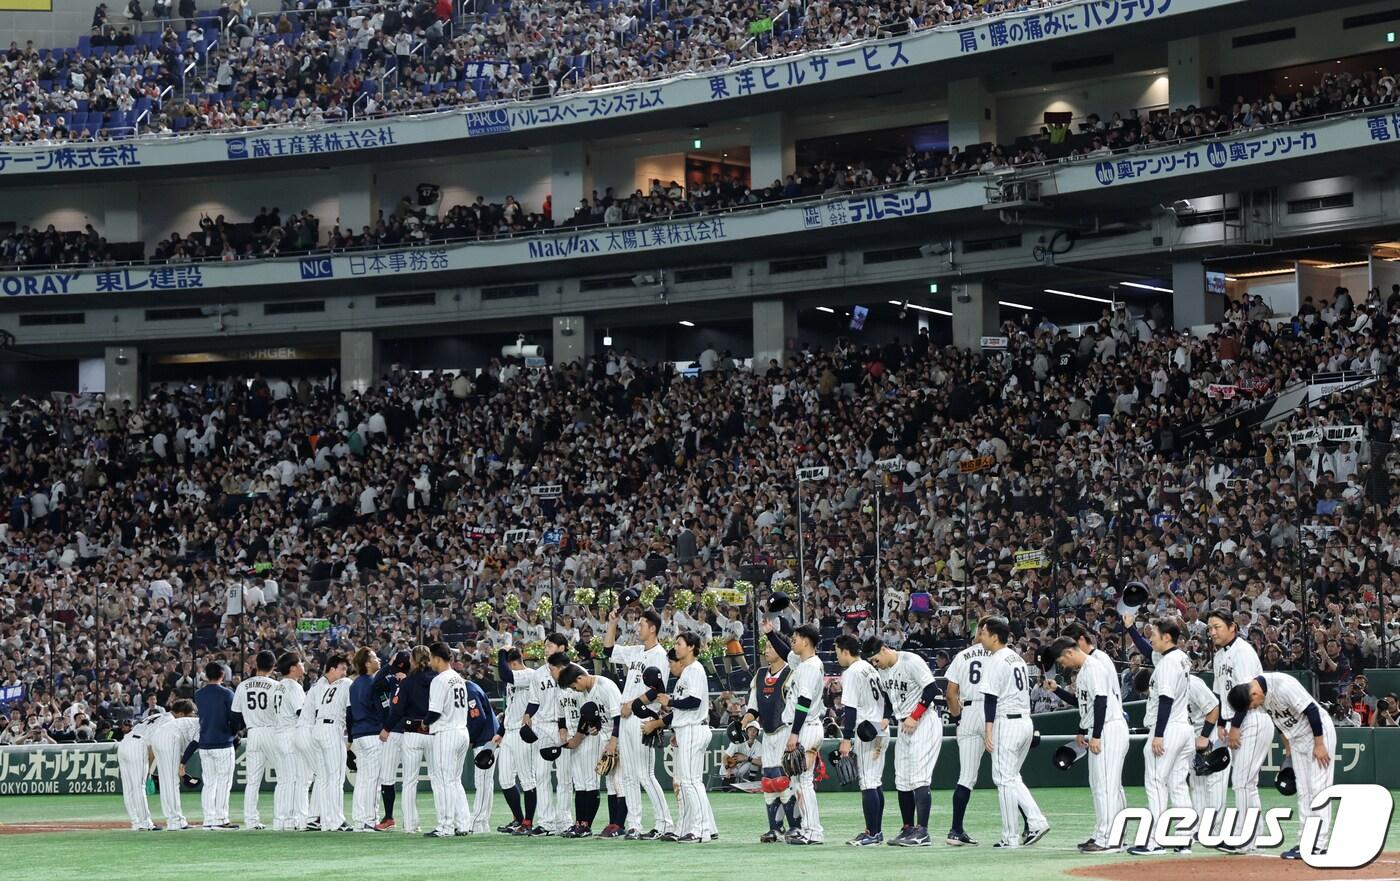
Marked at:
<point>1359,827</point>
<point>316,267</point>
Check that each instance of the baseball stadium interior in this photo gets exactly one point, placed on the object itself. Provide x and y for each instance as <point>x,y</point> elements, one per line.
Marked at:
<point>694,422</point>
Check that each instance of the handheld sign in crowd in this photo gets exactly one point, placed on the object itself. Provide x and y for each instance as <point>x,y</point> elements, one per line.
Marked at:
<point>549,491</point>
<point>820,472</point>
<point>1031,560</point>
<point>313,625</point>
<point>971,466</point>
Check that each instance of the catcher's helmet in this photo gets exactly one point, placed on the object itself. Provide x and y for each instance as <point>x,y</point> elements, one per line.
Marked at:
<point>484,758</point>
<point>1210,761</point>
<point>1286,782</point>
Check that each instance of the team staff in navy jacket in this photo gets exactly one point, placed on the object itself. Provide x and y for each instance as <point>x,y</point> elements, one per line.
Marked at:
<point>407,708</point>
<point>218,724</point>
<point>367,715</point>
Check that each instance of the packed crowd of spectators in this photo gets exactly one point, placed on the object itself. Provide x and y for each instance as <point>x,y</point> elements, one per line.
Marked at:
<point>1117,457</point>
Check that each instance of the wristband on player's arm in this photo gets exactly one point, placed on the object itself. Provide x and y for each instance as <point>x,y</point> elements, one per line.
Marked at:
<point>531,709</point>
<point>1100,714</point>
<point>926,699</point>
<point>617,724</point>
<point>1207,729</point>
<point>1164,710</point>
<point>799,715</point>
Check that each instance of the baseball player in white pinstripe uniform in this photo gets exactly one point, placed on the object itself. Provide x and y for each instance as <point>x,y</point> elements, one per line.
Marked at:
<point>1102,729</point>
<point>865,732</point>
<point>256,700</point>
<point>802,714</point>
<point>964,692</point>
<point>1308,735</point>
<point>689,703</point>
<point>567,727</point>
<point>447,723</point>
<point>909,687</point>
<point>169,742</point>
<point>328,736</point>
<point>1167,754</point>
<point>135,754</point>
<point>1007,708</point>
<point>515,760</point>
<point>769,694</point>
<point>1251,737</point>
<point>599,720</point>
<point>542,719</point>
<point>638,760</point>
<point>1207,790</point>
<point>304,794</point>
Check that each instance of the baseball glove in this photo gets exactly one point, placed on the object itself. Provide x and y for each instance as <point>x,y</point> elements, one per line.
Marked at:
<point>350,762</point>
<point>606,765</point>
<point>1211,761</point>
<point>795,762</point>
<point>655,738</point>
<point>844,769</point>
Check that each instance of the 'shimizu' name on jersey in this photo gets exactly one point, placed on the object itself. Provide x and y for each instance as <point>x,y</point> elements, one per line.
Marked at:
<point>257,699</point>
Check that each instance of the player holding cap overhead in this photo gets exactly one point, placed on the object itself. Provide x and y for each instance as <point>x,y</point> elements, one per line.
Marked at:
<point>1167,754</point>
<point>769,695</point>
<point>447,720</point>
<point>1249,736</point>
<point>595,746</point>
<point>256,702</point>
<point>909,686</point>
<point>965,705</point>
<point>1102,729</point>
<point>638,761</point>
<point>1309,738</point>
<point>1007,709</point>
<point>865,732</point>
<point>803,715</point>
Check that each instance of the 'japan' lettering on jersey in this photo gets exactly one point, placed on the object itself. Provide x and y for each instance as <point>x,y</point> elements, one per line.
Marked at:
<point>447,696</point>
<point>569,703</point>
<point>691,683</point>
<point>312,701</point>
<point>904,682</point>
<point>1171,677</point>
<point>1008,679</point>
<point>1233,664</point>
<point>860,689</point>
<point>808,681</point>
<point>256,699</point>
<point>637,658</point>
<point>544,692</point>
<point>1287,701</point>
<point>290,698</point>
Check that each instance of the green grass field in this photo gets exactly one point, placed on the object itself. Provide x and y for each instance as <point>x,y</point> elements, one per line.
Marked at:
<point>269,856</point>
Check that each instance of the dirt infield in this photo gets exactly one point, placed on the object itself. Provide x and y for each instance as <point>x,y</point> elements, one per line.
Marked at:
<point>75,826</point>
<point>1239,868</point>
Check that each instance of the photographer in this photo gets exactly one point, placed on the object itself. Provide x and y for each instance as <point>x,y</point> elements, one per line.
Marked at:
<point>1387,713</point>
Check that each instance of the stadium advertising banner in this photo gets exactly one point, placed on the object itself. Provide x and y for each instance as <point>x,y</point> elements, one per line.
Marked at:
<point>92,768</point>
<point>1076,17</point>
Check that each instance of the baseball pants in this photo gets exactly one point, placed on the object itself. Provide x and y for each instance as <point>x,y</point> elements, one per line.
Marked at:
<point>804,786</point>
<point>135,771</point>
<point>638,773</point>
<point>972,746</point>
<point>217,767</point>
<point>696,817</point>
<point>1011,741</point>
<point>288,798</point>
<point>390,754</point>
<point>564,791</point>
<point>413,749</point>
<point>1208,793</point>
<point>870,760</point>
<point>515,762</point>
<point>484,782</point>
<point>1164,776</point>
<point>1106,777</point>
<point>915,754</point>
<point>547,808</point>
<point>308,792</point>
<point>260,754</point>
<point>449,752</point>
<point>369,755</point>
<point>330,782</point>
<point>168,770</point>
<point>1256,739</point>
<point>1312,779</point>
<point>584,762</point>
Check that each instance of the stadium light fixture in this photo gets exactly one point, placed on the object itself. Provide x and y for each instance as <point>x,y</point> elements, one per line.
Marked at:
<point>826,309</point>
<point>1077,296</point>
<point>916,306</point>
<point>1015,305</point>
<point>684,323</point>
<point>1146,287</point>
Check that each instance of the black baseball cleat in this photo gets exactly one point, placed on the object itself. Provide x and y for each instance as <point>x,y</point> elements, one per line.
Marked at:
<point>898,840</point>
<point>462,833</point>
<point>524,829</point>
<point>961,839</point>
<point>1034,835</point>
<point>509,828</point>
<point>437,834</point>
<point>1092,846</point>
<point>651,835</point>
<point>668,836</point>
<point>1292,853</point>
<point>688,838</point>
<point>1232,849</point>
<point>539,832</point>
<point>769,837</point>
<point>632,835</point>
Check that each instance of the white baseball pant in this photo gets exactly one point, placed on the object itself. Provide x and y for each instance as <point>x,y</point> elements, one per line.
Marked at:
<point>307,793</point>
<point>390,755</point>
<point>484,783</point>
<point>546,808</point>
<point>515,762</point>
<point>369,755</point>
<point>216,766</point>
<point>330,782</point>
<point>288,797</point>
<point>870,760</point>
<point>1208,792</point>
<point>260,753</point>
<point>449,752</point>
<point>414,749</point>
<point>696,816</point>
<point>1256,739</point>
<point>564,791</point>
<point>803,785</point>
<point>1313,778</point>
<point>1011,740</point>
<point>972,743</point>
<point>916,754</point>
<point>1164,776</point>
<point>638,773</point>
<point>1106,777</point>
<point>168,770</point>
<point>584,761</point>
<point>135,771</point>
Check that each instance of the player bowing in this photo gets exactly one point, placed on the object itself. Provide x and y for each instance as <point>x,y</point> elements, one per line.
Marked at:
<point>865,732</point>
<point>911,690</point>
<point>1007,709</point>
